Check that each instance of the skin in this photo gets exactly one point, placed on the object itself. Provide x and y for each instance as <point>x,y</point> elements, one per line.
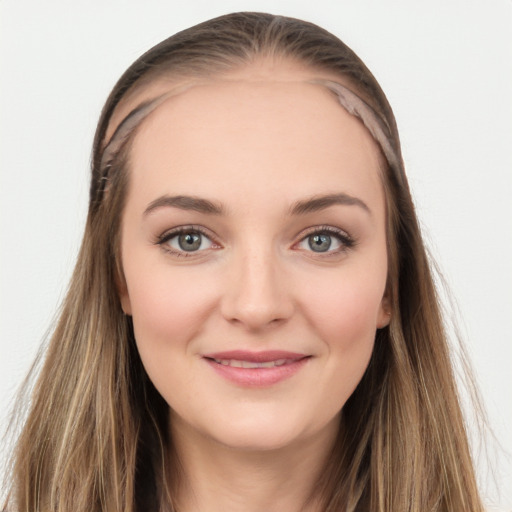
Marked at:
<point>255,146</point>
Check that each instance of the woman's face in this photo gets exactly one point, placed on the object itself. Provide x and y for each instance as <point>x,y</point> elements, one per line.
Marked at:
<point>254,253</point>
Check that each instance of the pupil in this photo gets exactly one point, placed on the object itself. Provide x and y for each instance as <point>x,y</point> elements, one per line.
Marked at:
<point>189,241</point>
<point>319,243</point>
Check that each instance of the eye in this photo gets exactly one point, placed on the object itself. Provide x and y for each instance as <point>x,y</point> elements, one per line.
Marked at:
<point>327,240</point>
<point>181,241</point>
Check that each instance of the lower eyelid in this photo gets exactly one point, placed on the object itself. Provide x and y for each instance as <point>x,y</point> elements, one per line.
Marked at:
<point>342,244</point>
<point>204,240</point>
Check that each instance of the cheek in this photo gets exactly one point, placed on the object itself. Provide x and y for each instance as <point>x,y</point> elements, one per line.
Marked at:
<point>167,310</point>
<point>345,320</point>
<point>346,308</point>
<point>344,314</point>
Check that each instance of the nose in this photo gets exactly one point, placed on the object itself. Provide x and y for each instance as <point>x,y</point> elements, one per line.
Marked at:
<point>257,294</point>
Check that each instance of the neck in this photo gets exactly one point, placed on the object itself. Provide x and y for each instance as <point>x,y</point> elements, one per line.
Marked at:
<point>215,477</point>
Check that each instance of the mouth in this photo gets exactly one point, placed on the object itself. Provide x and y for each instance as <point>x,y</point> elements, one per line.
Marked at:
<point>235,363</point>
<point>256,369</point>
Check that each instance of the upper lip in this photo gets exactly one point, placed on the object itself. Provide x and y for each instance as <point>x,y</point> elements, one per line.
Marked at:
<point>256,357</point>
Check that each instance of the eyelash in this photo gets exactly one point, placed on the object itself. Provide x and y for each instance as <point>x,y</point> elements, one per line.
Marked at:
<point>182,230</point>
<point>345,240</point>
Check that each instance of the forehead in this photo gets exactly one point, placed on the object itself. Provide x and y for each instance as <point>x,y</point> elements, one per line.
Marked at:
<point>249,141</point>
<point>252,111</point>
<point>270,70</point>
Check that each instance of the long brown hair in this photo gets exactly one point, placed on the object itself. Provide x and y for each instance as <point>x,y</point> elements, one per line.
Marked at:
<point>96,437</point>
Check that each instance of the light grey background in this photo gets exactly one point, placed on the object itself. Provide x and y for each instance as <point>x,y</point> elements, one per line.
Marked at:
<point>446,67</point>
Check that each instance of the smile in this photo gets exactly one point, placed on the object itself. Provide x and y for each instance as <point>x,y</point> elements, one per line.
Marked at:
<point>235,363</point>
<point>256,369</point>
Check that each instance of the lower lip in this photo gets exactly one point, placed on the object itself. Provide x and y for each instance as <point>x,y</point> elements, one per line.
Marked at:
<point>258,377</point>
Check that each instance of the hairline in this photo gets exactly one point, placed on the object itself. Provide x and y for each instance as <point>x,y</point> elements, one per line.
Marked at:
<point>351,102</point>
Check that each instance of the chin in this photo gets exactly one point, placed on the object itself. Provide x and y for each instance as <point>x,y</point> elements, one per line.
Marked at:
<point>263,431</point>
<point>257,438</point>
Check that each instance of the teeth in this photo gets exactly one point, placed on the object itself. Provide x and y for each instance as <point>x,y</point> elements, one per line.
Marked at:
<point>235,363</point>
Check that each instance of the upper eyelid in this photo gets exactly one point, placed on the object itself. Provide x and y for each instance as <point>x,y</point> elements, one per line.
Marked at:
<point>323,228</point>
<point>210,234</point>
<point>170,233</point>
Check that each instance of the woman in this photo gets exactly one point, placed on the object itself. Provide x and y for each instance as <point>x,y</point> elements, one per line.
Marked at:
<point>252,321</point>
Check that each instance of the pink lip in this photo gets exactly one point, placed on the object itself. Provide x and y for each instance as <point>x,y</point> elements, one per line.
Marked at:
<point>256,357</point>
<point>257,377</point>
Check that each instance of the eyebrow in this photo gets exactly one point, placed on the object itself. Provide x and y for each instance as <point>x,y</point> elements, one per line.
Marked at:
<point>317,203</point>
<point>310,205</point>
<point>185,203</point>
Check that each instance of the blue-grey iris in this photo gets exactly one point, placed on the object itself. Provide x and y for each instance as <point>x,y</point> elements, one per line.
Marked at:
<point>319,243</point>
<point>189,241</point>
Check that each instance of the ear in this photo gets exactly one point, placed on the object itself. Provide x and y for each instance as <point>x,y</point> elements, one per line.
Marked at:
<point>125,303</point>
<point>124,296</point>
<point>384,315</point>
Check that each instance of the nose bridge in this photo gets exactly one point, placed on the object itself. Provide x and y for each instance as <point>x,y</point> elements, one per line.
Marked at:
<point>256,293</point>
